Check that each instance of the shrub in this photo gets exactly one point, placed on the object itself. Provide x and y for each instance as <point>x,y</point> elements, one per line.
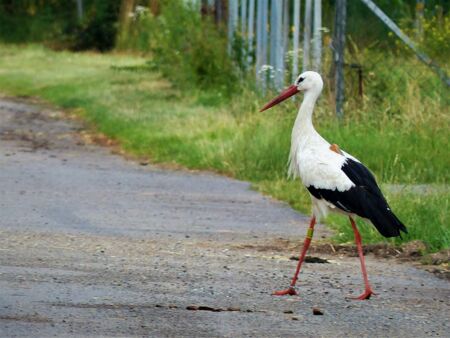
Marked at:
<point>185,47</point>
<point>56,24</point>
<point>97,30</point>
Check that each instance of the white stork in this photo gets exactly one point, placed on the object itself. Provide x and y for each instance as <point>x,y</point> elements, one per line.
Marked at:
<point>336,181</point>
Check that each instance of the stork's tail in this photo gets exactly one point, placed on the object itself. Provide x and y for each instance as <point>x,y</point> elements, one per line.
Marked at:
<point>386,222</point>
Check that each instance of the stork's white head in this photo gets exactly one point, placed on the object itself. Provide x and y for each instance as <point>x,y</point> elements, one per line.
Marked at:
<point>309,81</point>
<point>306,82</point>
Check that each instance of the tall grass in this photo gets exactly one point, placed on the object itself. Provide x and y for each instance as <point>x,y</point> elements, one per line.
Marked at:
<point>151,118</point>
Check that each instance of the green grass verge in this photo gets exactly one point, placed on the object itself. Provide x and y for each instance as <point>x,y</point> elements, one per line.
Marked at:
<point>425,215</point>
<point>125,100</point>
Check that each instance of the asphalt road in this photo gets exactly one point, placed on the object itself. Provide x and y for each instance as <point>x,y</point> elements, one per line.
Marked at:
<point>94,245</point>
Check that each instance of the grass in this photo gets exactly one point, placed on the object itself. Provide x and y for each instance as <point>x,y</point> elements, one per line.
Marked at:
<point>426,215</point>
<point>124,99</point>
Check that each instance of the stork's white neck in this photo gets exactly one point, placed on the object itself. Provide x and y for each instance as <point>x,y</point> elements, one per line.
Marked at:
<point>303,122</point>
<point>303,131</point>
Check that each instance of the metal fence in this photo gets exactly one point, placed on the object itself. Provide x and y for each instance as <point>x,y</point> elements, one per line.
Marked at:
<point>275,38</point>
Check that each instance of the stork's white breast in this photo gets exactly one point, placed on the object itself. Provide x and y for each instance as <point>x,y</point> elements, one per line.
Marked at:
<point>320,167</point>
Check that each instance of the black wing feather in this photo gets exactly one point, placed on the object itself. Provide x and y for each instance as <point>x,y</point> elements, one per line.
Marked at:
<point>364,199</point>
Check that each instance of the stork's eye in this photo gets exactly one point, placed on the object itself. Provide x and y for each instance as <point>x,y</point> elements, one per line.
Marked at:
<point>299,80</point>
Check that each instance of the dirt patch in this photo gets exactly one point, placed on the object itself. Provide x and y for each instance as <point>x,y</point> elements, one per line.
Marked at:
<point>439,258</point>
<point>381,250</point>
<point>35,142</point>
<point>311,259</point>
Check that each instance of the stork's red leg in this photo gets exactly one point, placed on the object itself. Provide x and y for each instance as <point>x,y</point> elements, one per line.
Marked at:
<point>368,290</point>
<point>291,290</point>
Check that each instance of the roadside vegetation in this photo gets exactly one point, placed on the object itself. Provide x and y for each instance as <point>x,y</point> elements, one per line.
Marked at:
<point>124,99</point>
<point>185,103</point>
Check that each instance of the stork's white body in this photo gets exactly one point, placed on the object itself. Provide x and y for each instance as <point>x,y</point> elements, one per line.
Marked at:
<point>337,181</point>
<point>312,160</point>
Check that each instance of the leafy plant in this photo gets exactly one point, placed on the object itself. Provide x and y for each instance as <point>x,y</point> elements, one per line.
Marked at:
<point>186,48</point>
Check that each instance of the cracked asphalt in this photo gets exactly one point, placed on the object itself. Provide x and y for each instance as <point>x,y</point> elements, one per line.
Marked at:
<point>92,244</point>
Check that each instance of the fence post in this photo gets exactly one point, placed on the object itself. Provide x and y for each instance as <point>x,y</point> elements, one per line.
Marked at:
<point>80,9</point>
<point>261,43</point>
<point>285,40</point>
<point>420,6</point>
<point>296,37</point>
<point>306,35</point>
<point>265,39</point>
<point>243,17</point>
<point>317,47</point>
<point>250,30</point>
<point>273,34</point>
<point>218,9</point>
<point>243,32</point>
<point>259,28</point>
<point>232,23</point>
<point>339,50</point>
<point>278,46</point>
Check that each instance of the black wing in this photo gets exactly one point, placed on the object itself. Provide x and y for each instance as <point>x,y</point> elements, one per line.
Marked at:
<point>364,199</point>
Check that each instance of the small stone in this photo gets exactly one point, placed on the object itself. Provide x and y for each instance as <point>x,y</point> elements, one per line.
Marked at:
<point>288,311</point>
<point>317,311</point>
<point>294,318</point>
<point>192,307</point>
<point>233,308</point>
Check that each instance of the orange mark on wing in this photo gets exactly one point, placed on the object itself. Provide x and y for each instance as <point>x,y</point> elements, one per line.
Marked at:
<point>334,147</point>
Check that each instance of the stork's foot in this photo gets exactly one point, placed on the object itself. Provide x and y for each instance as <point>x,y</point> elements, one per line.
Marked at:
<point>289,291</point>
<point>366,295</point>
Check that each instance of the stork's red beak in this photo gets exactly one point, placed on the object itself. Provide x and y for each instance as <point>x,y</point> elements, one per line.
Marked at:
<point>285,94</point>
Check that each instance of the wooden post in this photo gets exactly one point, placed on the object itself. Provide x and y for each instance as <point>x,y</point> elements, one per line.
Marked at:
<point>339,50</point>
<point>307,35</point>
<point>127,7</point>
<point>317,43</point>
<point>154,7</point>
<point>296,38</point>
<point>205,8</point>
